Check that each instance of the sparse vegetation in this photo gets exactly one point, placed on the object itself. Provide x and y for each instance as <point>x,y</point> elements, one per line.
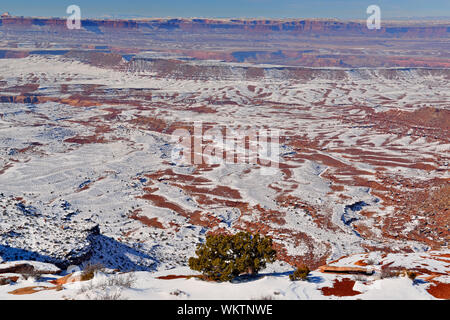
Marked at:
<point>124,280</point>
<point>90,270</point>
<point>117,295</point>
<point>31,273</point>
<point>410,274</point>
<point>301,273</point>
<point>86,288</point>
<point>359,277</point>
<point>223,257</point>
<point>178,293</point>
<point>107,287</point>
<point>389,273</point>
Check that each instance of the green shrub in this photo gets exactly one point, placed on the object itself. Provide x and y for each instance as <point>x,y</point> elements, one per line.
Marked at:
<point>301,273</point>
<point>223,257</point>
<point>410,274</point>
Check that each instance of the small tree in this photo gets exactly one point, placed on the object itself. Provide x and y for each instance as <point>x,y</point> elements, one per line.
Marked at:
<point>410,274</point>
<point>301,273</point>
<point>223,257</point>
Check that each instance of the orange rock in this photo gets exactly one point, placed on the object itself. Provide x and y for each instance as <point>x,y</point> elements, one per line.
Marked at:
<point>24,268</point>
<point>347,270</point>
<point>31,290</point>
<point>361,263</point>
<point>66,279</point>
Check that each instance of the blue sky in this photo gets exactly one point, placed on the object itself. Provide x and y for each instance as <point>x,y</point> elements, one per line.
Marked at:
<point>342,9</point>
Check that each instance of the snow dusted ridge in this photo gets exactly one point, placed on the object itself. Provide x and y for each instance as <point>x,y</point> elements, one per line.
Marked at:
<point>44,234</point>
<point>86,172</point>
<point>273,283</point>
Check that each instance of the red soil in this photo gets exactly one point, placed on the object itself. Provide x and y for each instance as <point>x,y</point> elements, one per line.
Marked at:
<point>440,290</point>
<point>31,290</point>
<point>66,279</point>
<point>361,263</point>
<point>343,288</point>
<point>150,222</point>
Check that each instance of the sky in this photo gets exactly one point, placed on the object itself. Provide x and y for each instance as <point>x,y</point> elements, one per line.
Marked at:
<point>341,9</point>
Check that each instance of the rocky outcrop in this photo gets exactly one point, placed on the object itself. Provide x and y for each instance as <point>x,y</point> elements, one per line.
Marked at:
<point>345,270</point>
<point>179,69</point>
<point>28,267</point>
<point>39,233</point>
<point>98,59</point>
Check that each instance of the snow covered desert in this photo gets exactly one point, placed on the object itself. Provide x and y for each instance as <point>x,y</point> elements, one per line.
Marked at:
<point>123,145</point>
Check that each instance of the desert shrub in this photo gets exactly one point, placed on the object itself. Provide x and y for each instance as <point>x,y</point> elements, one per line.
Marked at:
<point>179,293</point>
<point>389,273</point>
<point>109,296</point>
<point>410,274</point>
<point>301,273</point>
<point>123,281</point>
<point>90,270</point>
<point>359,277</point>
<point>104,295</point>
<point>107,287</point>
<point>223,257</point>
<point>31,273</point>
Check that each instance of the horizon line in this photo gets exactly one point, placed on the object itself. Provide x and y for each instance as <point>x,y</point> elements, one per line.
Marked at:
<point>143,17</point>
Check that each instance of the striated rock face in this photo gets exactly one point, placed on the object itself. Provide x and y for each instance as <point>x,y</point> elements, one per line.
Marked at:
<point>197,70</point>
<point>299,26</point>
<point>302,42</point>
<point>98,59</point>
<point>5,54</point>
<point>57,22</point>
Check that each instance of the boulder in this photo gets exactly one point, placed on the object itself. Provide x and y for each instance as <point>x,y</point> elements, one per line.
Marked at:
<point>20,267</point>
<point>345,270</point>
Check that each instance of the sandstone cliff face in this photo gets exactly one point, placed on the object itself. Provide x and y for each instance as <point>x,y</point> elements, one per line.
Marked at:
<point>310,26</point>
<point>178,69</point>
<point>310,43</point>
